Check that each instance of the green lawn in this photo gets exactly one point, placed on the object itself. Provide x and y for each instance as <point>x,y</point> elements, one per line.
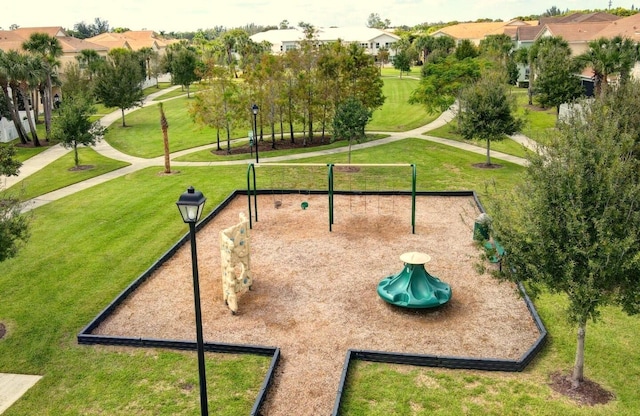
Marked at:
<point>83,251</point>
<point>59,174</point>
<point>24,153</point>
<point>193,88</point>
<point>156,88</point>
<point>143,137</point>
<point>390,71</point>
<point>209,155</point>
<point>539,123</point>
<point>378,389</point>
<point>397,114</point>
<point>86,248</point>
<point>505,145</point>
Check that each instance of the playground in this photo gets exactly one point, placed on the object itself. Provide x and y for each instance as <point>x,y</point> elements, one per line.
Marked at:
<point>314,291</point>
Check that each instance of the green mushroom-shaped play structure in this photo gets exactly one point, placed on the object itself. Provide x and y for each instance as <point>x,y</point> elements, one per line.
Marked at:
<point>413,287</point>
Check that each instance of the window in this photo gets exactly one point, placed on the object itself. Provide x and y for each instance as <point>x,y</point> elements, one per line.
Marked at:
<point>377,45</point>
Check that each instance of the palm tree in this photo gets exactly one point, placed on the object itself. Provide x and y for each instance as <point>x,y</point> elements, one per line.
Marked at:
<point>146,54</point>
<point>234,40</point>
<point>164,125</point>
<point>48,49</point>
<point>608,57</point>
<point>89,60</point>
<point>29,72</point>
<point>11,73</point>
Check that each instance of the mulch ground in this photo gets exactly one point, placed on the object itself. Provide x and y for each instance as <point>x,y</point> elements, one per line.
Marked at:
<point>588,393</point>
<point>314,292</point>
<point>267,145</point>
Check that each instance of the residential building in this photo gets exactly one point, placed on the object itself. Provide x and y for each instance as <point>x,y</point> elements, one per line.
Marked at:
<point>372,40</point>
<point>71,47</point>
<point>133,40</point>
<point>577,35</point>
<point>475,32</point>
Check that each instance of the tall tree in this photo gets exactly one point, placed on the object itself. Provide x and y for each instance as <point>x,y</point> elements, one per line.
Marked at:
<point>497,47</point>
<point>350,120</point>
<point>215,106</point>
<point>292,71</point>
<point>307,84</point>
<point>573,224</point>
<point>521,58</point>
<point>89,61</point>
<point>608,57</point>
<point>556,79</point>
<point>402,61</point>
<point>233,40</point>
<point>48,49</point>
<point>10,76</point>
<point>375,21</point>
<point>14,226</point>
<point>487,111</point>
<point>29,72</point>
<point>466,49</point>
<point>442,82</point>
<point>183,68</point>
<point>164,126</point>
<point>75,82</point>
<point>73,126</point>
<point>147,54</point>
<point>383,57</point>
<point>552,11</point>
<point>83,30</point>
<point>118,82</point>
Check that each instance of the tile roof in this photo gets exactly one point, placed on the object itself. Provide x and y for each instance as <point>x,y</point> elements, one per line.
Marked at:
<point>25,32</point>
<point>71,44</point>
<point>134,40</point>
<point>628,27</point>
<point>580,17</point>
<point>528,33</point>
<point>575,32</point>
<point>472,30</point>
<point>9,40</point>
<point>13,39</point>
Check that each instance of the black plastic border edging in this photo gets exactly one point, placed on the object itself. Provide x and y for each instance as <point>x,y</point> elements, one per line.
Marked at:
<point>487,364</point>
<point>462,363</point>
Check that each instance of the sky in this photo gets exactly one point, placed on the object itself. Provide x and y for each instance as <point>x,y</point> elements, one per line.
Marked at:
<point>192,15</point>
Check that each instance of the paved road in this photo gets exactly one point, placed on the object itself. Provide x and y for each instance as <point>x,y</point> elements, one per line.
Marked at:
<point>41,160</point>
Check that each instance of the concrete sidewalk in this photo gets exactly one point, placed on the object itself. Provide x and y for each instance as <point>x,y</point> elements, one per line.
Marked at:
<point>137,163</point>
<point>13,386</point>
<point>34,164</point>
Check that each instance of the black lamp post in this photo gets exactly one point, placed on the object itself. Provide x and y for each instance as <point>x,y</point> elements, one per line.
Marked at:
<point>254,108</point>
<point>190,205</point>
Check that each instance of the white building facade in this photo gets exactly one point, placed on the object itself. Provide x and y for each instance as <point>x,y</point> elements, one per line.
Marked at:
<point>372,40</point>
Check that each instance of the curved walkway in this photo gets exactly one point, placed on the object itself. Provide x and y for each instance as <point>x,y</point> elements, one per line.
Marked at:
<point>39,161</point>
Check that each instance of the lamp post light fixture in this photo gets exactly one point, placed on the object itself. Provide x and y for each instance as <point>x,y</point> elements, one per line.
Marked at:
<point>190,206</point>
<point>254,109</point>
